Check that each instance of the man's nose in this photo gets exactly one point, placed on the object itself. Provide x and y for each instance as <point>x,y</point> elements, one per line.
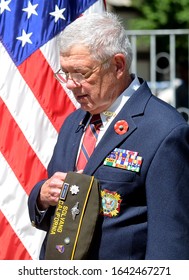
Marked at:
<point>70,84</point>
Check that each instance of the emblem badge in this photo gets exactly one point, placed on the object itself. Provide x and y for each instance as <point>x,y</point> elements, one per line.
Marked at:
<point>60,248</point>
<point>110,203</point>
<point>74,189</point>
<point>67,240</point>
<point>75,210</point>
<point>109,115</point>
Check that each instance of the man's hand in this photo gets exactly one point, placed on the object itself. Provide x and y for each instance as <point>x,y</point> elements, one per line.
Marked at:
<point>50,191</point>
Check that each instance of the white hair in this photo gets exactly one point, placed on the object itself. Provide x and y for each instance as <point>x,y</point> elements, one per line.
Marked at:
<point>103,34</point>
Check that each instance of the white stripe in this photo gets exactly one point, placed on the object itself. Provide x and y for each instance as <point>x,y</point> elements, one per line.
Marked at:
<point>25,109</point>
<point>13,204</point>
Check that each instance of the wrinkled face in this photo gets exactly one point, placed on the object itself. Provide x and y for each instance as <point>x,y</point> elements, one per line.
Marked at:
<point>101,88</point>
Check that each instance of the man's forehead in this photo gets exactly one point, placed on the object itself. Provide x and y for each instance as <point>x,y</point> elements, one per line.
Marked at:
<point>76,50</point>
<point>77,56</point>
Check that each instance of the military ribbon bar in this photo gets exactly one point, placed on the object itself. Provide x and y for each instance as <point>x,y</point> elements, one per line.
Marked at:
<point>125,159</point>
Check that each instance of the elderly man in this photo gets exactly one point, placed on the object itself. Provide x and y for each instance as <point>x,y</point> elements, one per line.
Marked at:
<point>140,163</point>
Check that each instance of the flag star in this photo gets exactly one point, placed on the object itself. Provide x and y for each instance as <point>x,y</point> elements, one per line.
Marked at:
<point>58,13</point>
<point>4,5</point>
<point>25,38</point>
<point>31,9</point>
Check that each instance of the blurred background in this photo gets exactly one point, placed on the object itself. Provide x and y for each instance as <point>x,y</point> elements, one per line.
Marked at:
<point>159,33</point>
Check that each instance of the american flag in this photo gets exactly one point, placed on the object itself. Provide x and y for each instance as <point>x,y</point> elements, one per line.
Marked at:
<point>33,106</point>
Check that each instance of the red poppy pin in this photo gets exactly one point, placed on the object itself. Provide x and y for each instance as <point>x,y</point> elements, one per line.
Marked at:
<point>121,127</point>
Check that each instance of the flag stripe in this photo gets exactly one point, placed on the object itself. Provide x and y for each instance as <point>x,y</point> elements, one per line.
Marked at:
<point>13,204</point>
<point>14,143</point>
<point>41,80</point>
<point>26,111</point>
<point>14,247</point>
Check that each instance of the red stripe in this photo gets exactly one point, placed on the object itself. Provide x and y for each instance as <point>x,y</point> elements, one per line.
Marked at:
<point>11,248</point>
<point>48,91</point>
<point>17,151</point>
<point>105,4</point>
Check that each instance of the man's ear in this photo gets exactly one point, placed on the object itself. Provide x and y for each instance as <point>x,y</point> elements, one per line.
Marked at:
<point>120,64</point>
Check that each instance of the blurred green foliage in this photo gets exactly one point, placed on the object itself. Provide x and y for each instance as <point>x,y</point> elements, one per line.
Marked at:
<point>161,14</point>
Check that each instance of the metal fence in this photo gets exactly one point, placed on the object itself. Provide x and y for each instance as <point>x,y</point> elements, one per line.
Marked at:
<point>156,57</point>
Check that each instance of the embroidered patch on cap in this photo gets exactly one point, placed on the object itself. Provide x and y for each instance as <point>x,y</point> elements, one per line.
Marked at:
<point>110,203</point>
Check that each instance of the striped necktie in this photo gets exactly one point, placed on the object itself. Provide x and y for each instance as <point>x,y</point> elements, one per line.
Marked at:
<point>89,141</point>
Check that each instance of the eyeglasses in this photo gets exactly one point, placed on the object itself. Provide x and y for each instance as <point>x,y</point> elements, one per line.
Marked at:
<point>77,78</point>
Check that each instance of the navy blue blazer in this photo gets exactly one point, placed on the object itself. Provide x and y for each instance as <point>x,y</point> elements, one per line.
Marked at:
<point>152,221</point>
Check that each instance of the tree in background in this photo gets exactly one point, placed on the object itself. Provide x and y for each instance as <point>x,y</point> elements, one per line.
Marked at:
<point>166,14</point>
<point>156,14</point>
